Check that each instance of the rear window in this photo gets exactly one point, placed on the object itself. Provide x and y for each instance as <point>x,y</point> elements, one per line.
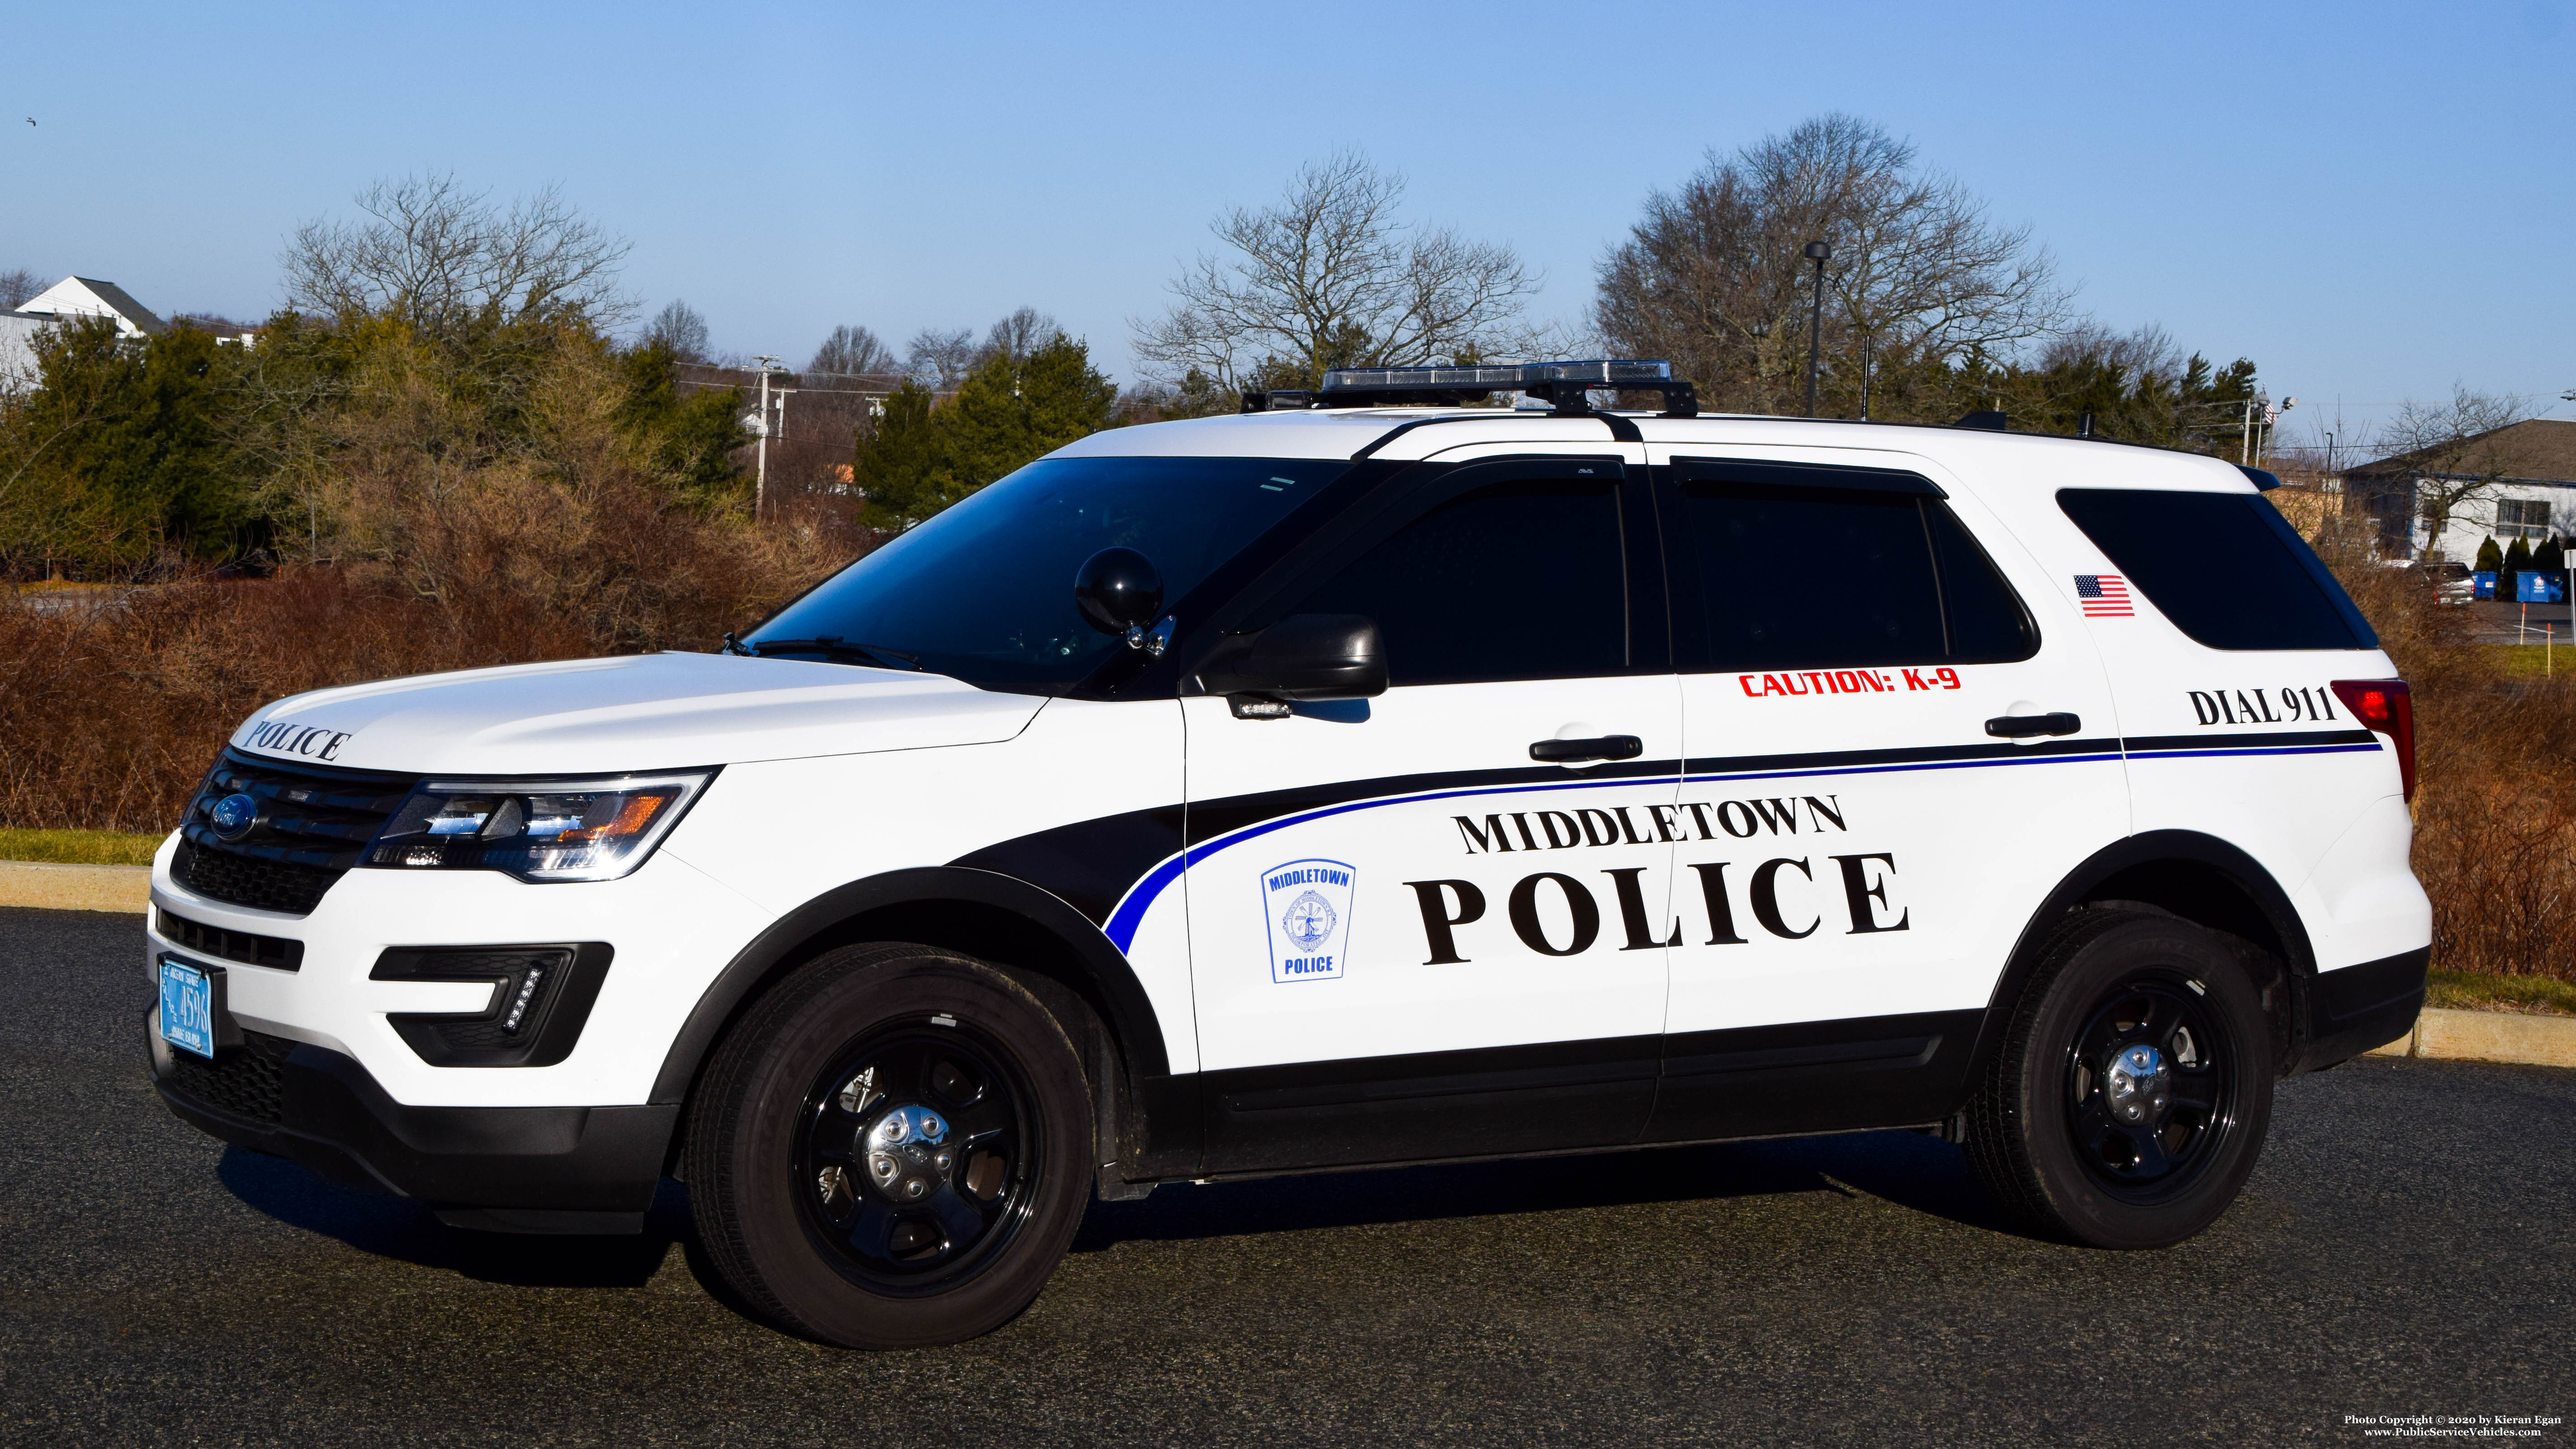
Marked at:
<point>2225,567</point>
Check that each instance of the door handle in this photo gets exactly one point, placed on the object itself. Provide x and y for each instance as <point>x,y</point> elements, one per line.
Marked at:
<point>1571,752</point>
<point>2023,726</point>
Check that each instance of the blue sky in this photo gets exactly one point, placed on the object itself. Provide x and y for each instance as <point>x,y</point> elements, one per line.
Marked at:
<point>2372,201</point>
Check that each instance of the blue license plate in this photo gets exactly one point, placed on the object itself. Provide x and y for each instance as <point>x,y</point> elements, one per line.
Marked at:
<point>187,1008</point>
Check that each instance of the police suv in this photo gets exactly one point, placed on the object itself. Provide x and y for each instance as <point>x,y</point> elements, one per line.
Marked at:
<point>1366,779</point>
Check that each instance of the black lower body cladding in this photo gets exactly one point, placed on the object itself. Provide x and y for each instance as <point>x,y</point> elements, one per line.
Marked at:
<point>526,1169</point>
<point>2360,1007</point>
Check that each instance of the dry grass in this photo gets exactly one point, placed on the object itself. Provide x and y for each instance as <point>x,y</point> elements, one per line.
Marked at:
<point>78,847</point>
<point>2479,991</point>
<point>2495,812</point>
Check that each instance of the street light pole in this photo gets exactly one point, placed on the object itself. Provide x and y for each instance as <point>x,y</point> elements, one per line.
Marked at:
<point>1817,252</point>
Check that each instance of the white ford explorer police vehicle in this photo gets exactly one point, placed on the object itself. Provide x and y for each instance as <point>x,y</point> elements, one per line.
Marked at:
<point>1368,779</point>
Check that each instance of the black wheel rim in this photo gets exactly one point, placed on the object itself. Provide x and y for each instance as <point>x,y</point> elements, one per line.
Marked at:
<point>916,1155</point>
<point>2151,1085</point>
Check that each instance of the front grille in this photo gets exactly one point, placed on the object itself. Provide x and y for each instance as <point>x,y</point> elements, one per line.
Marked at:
<point>242,946</point>
<point>262,885</point>
<point>241,1081</point>
<point>314,823</point>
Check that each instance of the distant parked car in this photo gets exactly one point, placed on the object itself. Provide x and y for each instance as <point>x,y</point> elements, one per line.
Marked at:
<point>2452,582</point>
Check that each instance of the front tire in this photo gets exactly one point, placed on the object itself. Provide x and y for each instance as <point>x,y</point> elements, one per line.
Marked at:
<point>2131,1093</point>
<point>890,1150</point>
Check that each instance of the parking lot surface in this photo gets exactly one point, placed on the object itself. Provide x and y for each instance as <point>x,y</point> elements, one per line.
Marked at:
<point>2403,1249</point>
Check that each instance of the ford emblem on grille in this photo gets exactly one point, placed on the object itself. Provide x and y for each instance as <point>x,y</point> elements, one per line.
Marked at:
<point>234,815</point>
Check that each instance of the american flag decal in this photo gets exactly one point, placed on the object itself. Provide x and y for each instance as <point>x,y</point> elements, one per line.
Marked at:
<point>2104,596</point>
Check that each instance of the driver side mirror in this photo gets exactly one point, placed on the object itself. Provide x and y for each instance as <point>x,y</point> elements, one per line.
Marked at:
<point>1302,657</point>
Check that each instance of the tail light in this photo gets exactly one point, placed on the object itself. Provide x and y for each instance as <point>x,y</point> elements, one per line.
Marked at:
<point>2386,706</point>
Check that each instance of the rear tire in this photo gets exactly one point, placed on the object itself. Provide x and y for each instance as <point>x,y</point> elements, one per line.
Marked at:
<point>2131,1093</point>
<point>890,1150</point>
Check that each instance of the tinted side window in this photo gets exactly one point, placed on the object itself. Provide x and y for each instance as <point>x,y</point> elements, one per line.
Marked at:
<point>2225,567</point>
<point>1837,577</point>
<point>1987,621</point>
<point>1519,580</point>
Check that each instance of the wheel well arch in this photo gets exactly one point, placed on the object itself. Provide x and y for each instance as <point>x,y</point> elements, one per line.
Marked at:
<point>984,914</point>
<point>2201,879</point>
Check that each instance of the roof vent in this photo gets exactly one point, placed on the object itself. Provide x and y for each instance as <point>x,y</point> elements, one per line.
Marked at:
<point>1992,422</point>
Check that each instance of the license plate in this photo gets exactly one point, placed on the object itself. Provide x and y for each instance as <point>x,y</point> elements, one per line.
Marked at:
<point>187,1008</point>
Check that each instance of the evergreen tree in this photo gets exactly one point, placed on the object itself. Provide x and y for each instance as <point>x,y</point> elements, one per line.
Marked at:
<point>126,438</point>
<point>2550,557</point>
<point>688,438</point>
<point>2517,560</point>
<point>1011,410</point>
<point>2490,558</point>
<point>899,460</point>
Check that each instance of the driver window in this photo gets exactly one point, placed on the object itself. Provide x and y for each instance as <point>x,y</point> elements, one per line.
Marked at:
<point>1519,580</point>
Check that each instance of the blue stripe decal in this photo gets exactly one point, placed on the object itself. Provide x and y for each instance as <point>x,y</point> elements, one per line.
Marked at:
<point>1132,907</point>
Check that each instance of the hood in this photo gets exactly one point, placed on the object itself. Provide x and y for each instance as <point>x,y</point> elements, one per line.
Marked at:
<point>641,712</point>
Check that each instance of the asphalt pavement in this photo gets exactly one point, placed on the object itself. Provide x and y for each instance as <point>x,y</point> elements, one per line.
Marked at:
<point>2404,1249</point>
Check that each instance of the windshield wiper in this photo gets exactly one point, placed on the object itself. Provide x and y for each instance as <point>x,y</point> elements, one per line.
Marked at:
<point>829,645</point>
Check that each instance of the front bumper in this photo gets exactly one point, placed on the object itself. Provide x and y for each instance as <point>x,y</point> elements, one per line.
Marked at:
<point>508,1169</point>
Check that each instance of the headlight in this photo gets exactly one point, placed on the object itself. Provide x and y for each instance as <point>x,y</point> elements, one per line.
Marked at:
<point>541,830</point>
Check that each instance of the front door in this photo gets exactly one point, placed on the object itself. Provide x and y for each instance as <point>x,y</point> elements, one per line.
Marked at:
<point>1898,741</point>
<point>1410,937</point>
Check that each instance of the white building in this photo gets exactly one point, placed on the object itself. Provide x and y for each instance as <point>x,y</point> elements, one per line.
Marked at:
<point>70,297</point>
<point>2525,487</point>
<point>89,297</point>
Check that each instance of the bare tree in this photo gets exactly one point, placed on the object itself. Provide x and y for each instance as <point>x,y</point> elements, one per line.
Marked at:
<point>16,286</point>
<point>679,327</point>
<point>1018,335</point>
<point>2447,458</point>
<point>1330,277</point>
<point>1713,275</point>
<point>852,350</point>
<point>441,257</point>
<point>2148,352</point>
<point>940,360</point>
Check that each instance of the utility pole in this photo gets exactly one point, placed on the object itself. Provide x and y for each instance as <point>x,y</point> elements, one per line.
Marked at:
<point>760,430</point>
<point>1817,252</point>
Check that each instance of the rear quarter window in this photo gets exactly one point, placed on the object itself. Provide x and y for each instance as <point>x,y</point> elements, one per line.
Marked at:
<point>2226,568</point>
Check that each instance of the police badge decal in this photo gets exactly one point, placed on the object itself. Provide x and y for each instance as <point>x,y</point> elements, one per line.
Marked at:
<point>1308,906</point>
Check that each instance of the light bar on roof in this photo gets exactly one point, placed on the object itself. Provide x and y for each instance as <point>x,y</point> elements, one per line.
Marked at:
<point>1509,377</point>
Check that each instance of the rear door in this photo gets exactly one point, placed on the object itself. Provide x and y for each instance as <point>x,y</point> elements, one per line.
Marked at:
<point>1408,937</point>
<point>1898,740</point>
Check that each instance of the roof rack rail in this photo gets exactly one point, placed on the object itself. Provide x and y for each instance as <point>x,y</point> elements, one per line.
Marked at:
<point>1562,383</point>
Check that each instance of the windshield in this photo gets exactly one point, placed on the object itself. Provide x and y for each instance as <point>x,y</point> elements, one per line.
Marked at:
<point>984,590</point>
